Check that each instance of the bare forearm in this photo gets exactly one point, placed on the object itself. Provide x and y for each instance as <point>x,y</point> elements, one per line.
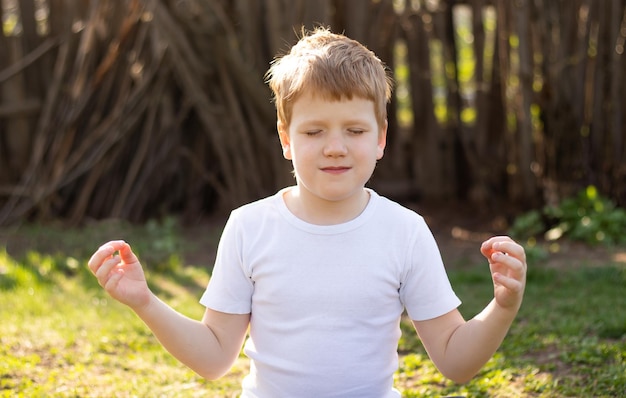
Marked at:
<point>460,349</point>
<point>473,343</point>
<point>192,342</point>
<point>209,347</point>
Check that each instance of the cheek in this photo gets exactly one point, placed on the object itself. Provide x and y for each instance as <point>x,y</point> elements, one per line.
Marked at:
<point>298,158</point>
<point>304,151</point>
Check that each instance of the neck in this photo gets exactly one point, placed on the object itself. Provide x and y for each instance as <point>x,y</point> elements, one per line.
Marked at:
<point>319,211</point>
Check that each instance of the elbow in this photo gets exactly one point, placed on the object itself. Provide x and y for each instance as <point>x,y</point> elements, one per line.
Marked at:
<point>461,379</point>
<point>212,371</point>
<point>212,374</point>
<point>459,376</point>
<point>216,368</point>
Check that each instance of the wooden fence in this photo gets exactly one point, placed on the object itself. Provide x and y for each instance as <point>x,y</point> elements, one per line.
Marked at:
<point>137,109</point>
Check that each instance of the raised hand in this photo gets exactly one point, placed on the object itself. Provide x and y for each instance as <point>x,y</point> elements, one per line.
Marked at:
<point>507,262</point>
<point>119,272</point>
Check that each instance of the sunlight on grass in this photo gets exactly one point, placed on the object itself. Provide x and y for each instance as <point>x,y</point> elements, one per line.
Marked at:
<point>61,335</point>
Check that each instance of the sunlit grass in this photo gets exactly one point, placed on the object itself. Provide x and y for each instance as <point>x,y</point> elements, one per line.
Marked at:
<point>60,335</point>
<point>63,336</point>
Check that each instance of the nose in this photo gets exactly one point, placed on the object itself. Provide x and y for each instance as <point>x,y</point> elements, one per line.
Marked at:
<point>335,145</point>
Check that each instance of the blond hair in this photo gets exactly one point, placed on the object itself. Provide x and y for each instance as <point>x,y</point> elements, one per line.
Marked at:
<point>332,66</point>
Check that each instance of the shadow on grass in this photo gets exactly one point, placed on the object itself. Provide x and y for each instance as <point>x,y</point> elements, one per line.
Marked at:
<point>569,338</point>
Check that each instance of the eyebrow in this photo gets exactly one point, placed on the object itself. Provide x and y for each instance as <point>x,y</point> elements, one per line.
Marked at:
<point>322,121</point>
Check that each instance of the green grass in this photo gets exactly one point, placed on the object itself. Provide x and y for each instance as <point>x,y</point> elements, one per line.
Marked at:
<point>569,339</point>
<point>60,335</point>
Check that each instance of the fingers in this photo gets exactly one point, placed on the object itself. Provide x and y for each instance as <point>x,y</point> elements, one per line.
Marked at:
<point>127,254</point>
<point>502,245</point>
<point>103,271</point>
<point>112,280</point>
<point>119,272</point>
<point>105,251</point>
<point>512,284</point>
<point>507,260</point>
<point>103,262</point>
<point>507,263</point>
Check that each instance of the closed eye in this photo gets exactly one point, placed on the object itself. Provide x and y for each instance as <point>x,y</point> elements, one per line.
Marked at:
<point>312,132</point>
<point>356,131</point>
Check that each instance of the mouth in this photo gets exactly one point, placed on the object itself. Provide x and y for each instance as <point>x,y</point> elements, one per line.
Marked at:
<point>335,169</point>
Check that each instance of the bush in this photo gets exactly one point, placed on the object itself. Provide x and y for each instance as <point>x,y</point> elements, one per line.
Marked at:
<point>587,217</point>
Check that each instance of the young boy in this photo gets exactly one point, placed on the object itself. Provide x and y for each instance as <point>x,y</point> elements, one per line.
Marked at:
<point>321,272</point>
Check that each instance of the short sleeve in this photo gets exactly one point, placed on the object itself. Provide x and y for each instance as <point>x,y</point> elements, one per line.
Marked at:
<point>230,287</point>
<point>426,291</point>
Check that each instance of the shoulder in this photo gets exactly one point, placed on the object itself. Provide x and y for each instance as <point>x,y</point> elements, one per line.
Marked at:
<point>256,217</point>
<point>258,207</point>
<point>395,212</point>
<point>402,223</point>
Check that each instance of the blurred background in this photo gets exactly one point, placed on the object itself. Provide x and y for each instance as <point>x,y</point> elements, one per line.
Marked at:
<point>143,109</point>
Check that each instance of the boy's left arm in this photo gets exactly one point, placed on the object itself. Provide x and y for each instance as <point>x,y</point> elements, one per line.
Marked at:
<point>458,348</point>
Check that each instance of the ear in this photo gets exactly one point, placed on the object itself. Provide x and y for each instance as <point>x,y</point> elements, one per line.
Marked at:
<point>283,135</point>
<point>382,141</point>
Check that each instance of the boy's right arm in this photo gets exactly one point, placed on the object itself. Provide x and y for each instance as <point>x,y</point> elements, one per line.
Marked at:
<point>209,347</point>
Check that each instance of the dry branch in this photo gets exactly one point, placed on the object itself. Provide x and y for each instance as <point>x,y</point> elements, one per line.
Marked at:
<point>136,109</point>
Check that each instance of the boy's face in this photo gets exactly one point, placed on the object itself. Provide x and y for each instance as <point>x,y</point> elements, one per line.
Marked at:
<point>333,145</point>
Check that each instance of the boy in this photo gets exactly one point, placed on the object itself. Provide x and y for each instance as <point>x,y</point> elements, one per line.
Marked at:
<point>321,272</point>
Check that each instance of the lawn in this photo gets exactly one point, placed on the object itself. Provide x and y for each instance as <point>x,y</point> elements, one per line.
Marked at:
<point>61,336</point>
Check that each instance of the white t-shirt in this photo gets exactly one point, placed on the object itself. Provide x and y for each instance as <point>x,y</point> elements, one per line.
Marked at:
<point>326,301</point>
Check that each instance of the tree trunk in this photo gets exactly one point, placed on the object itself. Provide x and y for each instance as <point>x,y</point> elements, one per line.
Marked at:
<point>524,179</point>
<point>139,109</point>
